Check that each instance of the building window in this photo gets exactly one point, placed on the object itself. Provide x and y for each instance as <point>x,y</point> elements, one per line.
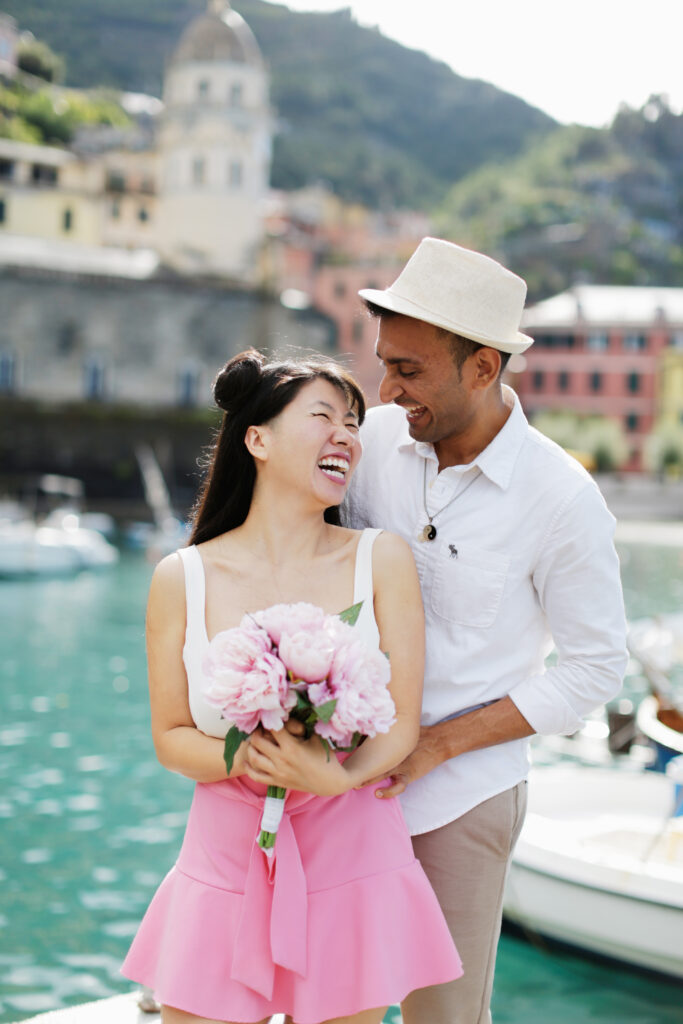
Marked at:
<point>94,378</point>
<point>632,421</point>
<point>7,372</point>
<point>198,170</point>
<point>67,219</point>
<point>6,170</point>
<point>538,380</point>
<point>143,215</point>
<point>235,173</point>
<point>68,338</point>
<point>563,379</point>
<point>116,181</point>
<point>115,209</point>
<point>3,211</point>
<point>236,94</point>
<point>188,386</point>
<point>597,342</point>
<point>635,342</point>
<point>555,340</point>
<point>595,381</point>
<point>41,174</point>
<point>203,88</point>
<point>633,382</point>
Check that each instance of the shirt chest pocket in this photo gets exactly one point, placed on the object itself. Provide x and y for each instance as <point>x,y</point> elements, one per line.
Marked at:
<point>468,585</point>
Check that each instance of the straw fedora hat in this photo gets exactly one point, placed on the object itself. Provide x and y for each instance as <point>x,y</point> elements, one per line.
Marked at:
<point>460,290</point>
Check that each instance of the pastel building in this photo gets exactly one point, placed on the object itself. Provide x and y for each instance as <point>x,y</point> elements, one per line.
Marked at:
<point>194,191</point>
<point>604,349</point>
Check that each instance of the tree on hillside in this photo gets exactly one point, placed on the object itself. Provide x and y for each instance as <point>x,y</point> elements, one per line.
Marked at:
<point>37,58</point>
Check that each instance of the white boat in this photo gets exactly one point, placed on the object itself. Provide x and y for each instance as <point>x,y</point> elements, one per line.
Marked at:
<point>599,864</point>
<point>657,644</point>
<point>58,546</point>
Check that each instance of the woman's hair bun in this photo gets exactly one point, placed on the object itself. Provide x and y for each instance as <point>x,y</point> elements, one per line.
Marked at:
<point>238,379</point>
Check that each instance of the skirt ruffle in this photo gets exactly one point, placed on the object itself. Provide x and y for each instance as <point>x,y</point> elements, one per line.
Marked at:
<point>364,940</point>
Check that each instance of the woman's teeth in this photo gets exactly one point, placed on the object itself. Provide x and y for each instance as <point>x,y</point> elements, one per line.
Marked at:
<point>335,468</point>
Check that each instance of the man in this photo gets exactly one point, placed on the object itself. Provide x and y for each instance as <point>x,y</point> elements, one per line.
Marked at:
<point>513,544</point>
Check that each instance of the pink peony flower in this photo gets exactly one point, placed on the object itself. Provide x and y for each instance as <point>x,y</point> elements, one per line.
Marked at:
<point>247,682</point>
<point>358,680</point>
<point>237,649</point>
<point>307,653</point>
<point>290,618</point>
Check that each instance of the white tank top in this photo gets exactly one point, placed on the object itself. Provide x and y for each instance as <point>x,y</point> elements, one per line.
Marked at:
<point>208,719</point>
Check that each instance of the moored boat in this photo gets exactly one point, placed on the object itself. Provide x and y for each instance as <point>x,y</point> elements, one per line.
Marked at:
<point>599,864</point>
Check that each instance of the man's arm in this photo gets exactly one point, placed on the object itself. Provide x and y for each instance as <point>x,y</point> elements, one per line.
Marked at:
<point>485,727</point>
<point>576,578</point>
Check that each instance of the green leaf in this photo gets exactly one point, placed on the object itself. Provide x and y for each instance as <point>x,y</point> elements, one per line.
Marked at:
<point>350,615</point>
<point>325,711</point>
<point>233,739</point>
<point>303,702</point>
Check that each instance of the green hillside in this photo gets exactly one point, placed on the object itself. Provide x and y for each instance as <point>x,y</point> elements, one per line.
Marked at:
<point>604,206</point>
<point>380,123</point>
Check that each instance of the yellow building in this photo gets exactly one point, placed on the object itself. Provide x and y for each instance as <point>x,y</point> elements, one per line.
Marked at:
<point>670,396</point>
<point>49,193</point>
<point>196,194</point>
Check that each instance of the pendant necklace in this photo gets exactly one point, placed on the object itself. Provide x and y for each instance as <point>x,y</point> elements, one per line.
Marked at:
<point>429,531</point>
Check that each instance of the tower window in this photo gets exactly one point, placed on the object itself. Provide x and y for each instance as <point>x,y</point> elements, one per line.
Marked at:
<point>198,170</point>
<point>67,219</point>
<point>235,173</point>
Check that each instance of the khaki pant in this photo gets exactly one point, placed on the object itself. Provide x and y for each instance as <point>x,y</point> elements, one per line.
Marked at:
<point>467,861</point>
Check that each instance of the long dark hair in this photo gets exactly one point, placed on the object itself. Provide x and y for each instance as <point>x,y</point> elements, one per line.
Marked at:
<point>251,391</point>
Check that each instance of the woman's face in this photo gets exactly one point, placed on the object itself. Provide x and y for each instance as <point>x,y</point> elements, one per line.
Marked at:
<point>314,442</point>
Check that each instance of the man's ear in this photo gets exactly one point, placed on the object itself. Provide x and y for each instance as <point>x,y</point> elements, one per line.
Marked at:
<point>256,442</point>
<point>487,367</point>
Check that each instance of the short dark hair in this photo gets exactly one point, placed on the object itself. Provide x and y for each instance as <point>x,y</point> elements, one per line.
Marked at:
<point>461,348</point>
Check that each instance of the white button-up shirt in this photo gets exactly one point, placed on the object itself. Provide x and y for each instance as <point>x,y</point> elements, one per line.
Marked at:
<point>523,557</point>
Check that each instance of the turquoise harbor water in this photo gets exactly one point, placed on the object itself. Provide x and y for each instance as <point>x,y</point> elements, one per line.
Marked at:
<point>90,823</point>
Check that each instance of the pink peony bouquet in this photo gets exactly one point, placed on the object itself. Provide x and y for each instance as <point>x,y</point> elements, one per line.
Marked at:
<point>294,661</point>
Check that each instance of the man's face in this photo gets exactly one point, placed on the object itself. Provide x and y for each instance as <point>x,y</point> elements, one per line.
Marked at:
<point>421,376</point>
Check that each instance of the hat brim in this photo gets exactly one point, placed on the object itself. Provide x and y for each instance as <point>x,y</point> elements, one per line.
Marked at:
<point>395,304</point>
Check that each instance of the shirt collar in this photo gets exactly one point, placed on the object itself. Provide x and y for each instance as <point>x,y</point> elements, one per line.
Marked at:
<point>498,458</point>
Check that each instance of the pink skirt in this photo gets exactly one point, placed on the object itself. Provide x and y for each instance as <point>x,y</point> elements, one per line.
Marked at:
<point>342,918</point>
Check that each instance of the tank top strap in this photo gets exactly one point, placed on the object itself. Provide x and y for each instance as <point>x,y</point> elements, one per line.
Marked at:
<point>363,589</point>
<point>195,595</point>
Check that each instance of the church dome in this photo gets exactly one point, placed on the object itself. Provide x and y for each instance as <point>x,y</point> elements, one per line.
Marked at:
<point>219,34</point>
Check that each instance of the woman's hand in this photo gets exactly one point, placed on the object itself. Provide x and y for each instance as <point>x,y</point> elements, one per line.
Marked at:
<point>280,759</point>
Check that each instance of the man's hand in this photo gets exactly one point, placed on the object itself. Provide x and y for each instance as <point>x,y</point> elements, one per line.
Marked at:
<point>495,723</point>
<point>427,755</point>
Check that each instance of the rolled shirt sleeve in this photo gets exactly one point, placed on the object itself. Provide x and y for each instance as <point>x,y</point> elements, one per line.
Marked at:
<point>579,590</point>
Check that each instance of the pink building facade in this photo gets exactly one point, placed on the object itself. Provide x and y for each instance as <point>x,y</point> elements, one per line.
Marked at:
<point>598,350</point>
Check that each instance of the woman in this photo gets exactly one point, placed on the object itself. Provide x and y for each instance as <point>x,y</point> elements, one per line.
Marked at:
<point>342,922</point>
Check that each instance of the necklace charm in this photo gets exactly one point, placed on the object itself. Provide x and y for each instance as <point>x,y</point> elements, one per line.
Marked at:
<point>429,532</point>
